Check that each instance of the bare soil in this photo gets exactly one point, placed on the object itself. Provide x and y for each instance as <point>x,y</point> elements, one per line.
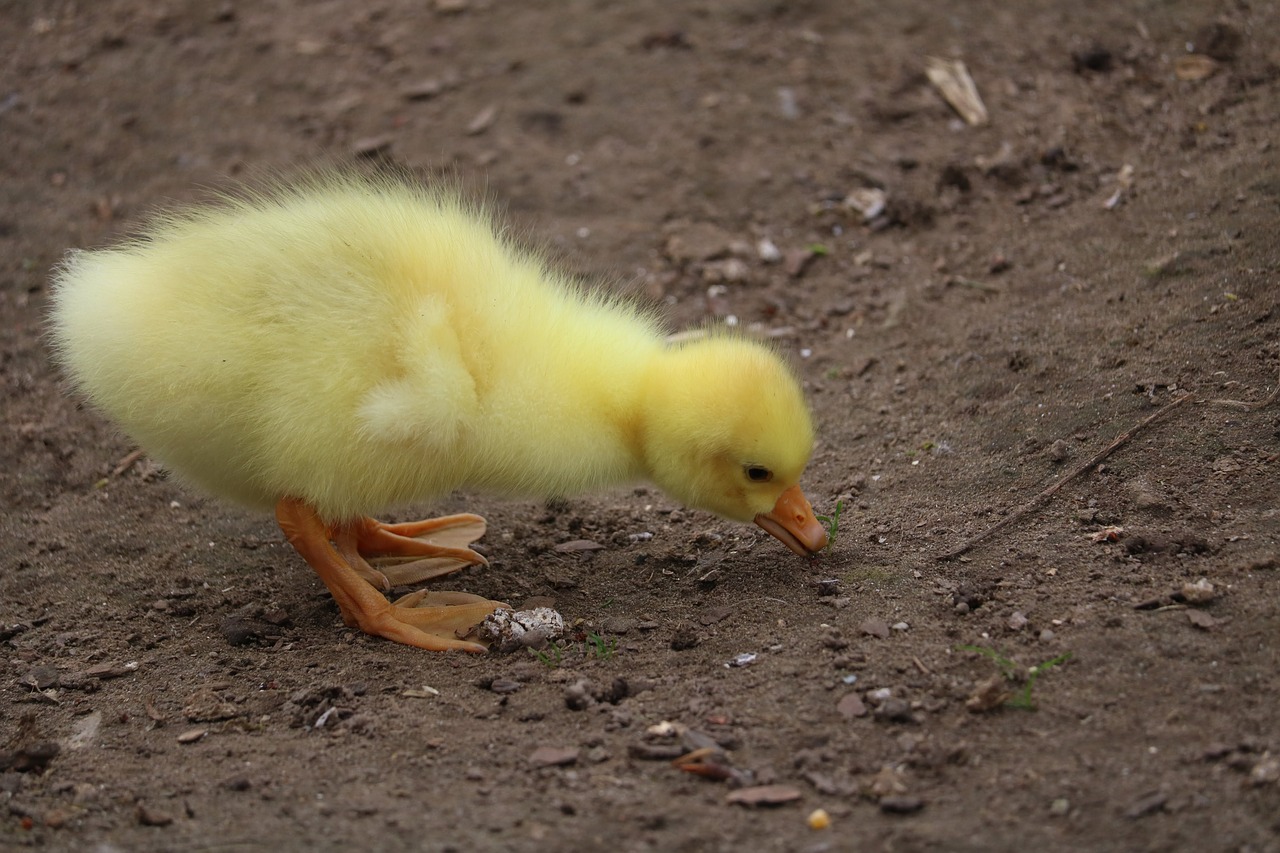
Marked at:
<point>174,678</point>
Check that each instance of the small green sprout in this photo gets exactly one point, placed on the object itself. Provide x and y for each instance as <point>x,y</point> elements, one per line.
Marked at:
<point>1013,672</point>
<point>832,523</point>
<point>548,657</point>
<point>817,249</point>
<point>600,647</point>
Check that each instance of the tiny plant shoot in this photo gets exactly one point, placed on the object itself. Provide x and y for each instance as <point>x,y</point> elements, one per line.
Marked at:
<point>601,648</point>
<point>832,523</point>
<point>1013,672</point>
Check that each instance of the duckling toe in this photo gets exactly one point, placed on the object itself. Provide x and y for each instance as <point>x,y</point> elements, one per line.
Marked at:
<point>446,615</point>
<point>433,628</point>
<point>412,552</point>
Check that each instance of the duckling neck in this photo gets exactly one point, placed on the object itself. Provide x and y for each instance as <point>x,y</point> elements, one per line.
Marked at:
<point>571,419</point>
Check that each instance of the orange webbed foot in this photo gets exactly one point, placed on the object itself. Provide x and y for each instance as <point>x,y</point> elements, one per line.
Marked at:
<point>427,620</point>
<point>388,555</point>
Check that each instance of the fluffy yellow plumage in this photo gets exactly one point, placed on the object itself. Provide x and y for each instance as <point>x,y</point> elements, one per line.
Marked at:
<point>350,344</point>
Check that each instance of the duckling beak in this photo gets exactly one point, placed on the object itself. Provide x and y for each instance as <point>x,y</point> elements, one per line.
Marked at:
<point>792,522</point>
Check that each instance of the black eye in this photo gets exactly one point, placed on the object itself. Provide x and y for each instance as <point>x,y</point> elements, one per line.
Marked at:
<point>758,474</point>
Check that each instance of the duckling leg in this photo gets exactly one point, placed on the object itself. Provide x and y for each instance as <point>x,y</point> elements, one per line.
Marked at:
<point>412,552</point>
<point>433,625</point>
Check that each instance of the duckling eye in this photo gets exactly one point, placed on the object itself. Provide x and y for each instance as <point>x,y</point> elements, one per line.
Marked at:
<point>758,474</point>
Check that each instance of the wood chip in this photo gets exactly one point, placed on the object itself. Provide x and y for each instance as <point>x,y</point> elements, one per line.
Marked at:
<point>127,462</point>
<point>576,545</point>
<point>764,795</point>
<point>483,120</point>
<point>1195,66</point>
<point>192,735</point>
<point>423,90</point>
<point>423,692</point>
<point>107,671</point>
<point>952,79</point>
<point>371,146</point>
<point>1150,804</point>
<point>554,756</point>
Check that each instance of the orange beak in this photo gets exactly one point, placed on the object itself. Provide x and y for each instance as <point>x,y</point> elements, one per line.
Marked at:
<point>792,522</point>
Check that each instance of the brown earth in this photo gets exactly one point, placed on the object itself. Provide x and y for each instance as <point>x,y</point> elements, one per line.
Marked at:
<point>174,678</point>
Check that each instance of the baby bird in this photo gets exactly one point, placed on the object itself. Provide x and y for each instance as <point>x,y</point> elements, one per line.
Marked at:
<point>345,344</point>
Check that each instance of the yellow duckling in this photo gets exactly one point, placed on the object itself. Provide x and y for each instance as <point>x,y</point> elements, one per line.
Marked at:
<point>348,344</point>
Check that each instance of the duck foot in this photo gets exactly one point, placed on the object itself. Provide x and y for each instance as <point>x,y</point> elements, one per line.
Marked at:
<point>427,620</point>
<point>388,555</point>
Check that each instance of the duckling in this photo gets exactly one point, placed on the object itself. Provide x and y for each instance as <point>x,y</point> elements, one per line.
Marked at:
<point>344,344</point>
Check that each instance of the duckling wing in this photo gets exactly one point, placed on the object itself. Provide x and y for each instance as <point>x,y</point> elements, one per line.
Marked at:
<point>430,393</point>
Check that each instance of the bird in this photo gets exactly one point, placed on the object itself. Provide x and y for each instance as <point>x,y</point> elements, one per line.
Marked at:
<point>332,346</point>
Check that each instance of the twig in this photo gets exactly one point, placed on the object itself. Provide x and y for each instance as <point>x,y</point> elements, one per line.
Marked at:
<point>1052,490</point>
<point>1250,407</point>
<point>127,462</point>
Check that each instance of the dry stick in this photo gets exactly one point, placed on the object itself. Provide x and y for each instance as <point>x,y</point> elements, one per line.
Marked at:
<point>1250,407</point>
<point>1052,490</point>
<point>127,462</point>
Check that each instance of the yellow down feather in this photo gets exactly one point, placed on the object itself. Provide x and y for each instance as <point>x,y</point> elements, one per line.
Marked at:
<point>360,343</point>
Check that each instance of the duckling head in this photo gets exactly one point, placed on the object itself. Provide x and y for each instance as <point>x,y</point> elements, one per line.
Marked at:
<point>726,429</point>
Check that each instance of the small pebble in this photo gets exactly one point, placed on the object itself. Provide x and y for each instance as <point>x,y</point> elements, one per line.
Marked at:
<point>552,756</point>
<point>851,706</point>
<point>901,804</point>
<point>656,751</point>
<point>1266,771</point>
<point>1200,592</point>
<point>894,711</point>
<point>768,251</point>
<point>503,686</point>
<point>148,817</point>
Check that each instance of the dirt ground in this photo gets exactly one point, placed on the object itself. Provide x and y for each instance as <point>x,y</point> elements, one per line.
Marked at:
<point>977,312</point>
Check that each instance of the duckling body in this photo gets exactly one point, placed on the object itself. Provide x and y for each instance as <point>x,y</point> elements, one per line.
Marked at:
<point>347,345</point>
